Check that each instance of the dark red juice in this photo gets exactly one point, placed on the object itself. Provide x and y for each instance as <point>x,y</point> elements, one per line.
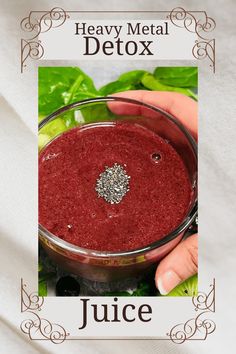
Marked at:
<point>69,205</point>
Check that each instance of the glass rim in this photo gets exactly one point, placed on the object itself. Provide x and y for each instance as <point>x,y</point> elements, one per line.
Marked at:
<point>192,213</point>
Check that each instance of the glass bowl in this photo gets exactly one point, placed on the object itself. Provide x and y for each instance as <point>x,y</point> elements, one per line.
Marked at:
<point>112,266</point>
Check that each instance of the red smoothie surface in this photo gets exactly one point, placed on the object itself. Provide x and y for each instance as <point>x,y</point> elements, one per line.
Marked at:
<point>69,207</point>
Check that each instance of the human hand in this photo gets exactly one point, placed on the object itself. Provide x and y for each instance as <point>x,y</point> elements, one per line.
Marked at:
<point>182,262</point>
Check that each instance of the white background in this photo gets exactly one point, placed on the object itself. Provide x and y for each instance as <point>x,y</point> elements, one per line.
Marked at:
<point>18,149</point>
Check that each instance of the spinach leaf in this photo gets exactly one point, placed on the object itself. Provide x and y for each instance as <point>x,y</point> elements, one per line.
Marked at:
<point>42,281</point>
<point>126,82</point>
<point>143,289</point>
<point>51,130</point>
<point>96,112</point>
<point>177,79</point>
<point>42,288</point>
<point>43,277</point>
<point>59,86</point>
<point>178,76</point>
<point>151,83</point>
<point>43,139</point>
<point>132,77</point>
<point>114,87</point>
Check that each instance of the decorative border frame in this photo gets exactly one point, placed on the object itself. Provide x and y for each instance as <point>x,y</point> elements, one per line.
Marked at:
<point>38,328</point>
<point>32,46</point>
<point>56,17</point>
<point>198,327</point>
<point>204,47</point>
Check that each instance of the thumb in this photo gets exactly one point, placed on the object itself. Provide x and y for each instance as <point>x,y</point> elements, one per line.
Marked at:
<point>178,265</point>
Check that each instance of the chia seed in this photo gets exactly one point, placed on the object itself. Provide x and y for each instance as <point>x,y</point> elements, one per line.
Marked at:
<point>113,184</point>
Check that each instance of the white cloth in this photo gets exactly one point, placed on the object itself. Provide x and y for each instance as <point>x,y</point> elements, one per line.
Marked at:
<point>18,182</point>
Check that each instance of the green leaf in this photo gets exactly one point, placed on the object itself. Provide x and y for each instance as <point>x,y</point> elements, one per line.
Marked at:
<point>52,129</point>
<point>130,80</point>
<point>146,287</point>
<point>151,83</point>
<point>132,77</point>
<point>114,87</point>
<point>59,86</point>
<point>143,289</point>
<point>96,112</point>
<point>42,289</point>
<point>43,279</point>
<point>43,139</point>
<point>178,76</point>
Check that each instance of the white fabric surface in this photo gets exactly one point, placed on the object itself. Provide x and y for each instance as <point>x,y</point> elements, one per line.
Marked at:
<point>18,182</point>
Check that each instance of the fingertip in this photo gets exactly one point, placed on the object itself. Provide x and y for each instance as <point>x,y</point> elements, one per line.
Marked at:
<point>180,264</point>
<point>159,286</point>
<point>167,281</point>
<point>183,108</point>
